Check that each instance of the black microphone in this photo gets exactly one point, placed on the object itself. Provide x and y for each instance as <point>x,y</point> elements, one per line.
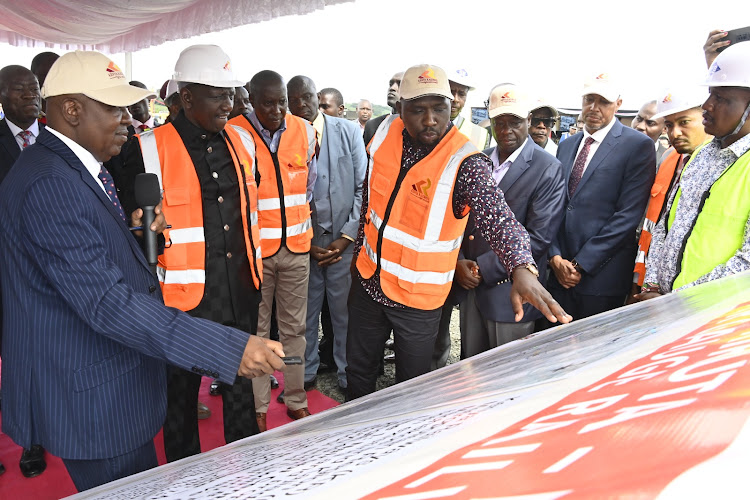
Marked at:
<point>147,196</point>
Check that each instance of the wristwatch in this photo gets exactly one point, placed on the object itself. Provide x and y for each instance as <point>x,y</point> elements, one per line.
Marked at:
<point>531,268</point>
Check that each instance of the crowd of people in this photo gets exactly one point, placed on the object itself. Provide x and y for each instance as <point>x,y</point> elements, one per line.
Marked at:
<point>275,212</point>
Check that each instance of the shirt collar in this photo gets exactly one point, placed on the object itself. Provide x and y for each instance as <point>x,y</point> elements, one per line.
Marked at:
<point>319,124</point>
<point>15,129</point>
<point>600,134</point>
<point>190,132</point>
<point>88,160</point>
<point>254,120</point>
<point>740,146</point>
<point>495,157</point>
<point>148,123</point>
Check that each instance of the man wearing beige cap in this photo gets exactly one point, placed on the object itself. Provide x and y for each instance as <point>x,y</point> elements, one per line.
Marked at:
<point>87,334</point>
<point>532,182</point>
<point>609,170</point>
<point>424,179</point>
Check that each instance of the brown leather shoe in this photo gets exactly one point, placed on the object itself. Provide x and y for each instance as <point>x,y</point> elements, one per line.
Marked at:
<point>261,419</point>
<point>298,414</point>
<point>203,411</point>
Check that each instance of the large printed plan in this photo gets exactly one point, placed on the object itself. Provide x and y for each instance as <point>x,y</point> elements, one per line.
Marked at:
<point>647,401</point>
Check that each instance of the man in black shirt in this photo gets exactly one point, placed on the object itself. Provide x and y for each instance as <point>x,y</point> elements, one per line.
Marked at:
<point>218,280</point>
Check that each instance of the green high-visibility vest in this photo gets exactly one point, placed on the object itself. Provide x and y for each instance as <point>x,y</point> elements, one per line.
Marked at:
<point>719,229</point>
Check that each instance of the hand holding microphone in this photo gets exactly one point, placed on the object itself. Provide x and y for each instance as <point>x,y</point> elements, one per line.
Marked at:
<point>148,197</point>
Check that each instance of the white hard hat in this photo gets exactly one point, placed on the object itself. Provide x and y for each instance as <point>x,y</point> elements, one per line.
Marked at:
<point>461,77</point>
<point>680,99</point>
<point>731,68</point>
<point>207,65</point>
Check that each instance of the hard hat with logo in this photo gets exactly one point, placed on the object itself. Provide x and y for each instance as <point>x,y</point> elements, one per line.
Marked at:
<point>731,68</point>
<point>207,65</point>
<point>675,100</point>
<point>461,77</point>
<point>506,98</point>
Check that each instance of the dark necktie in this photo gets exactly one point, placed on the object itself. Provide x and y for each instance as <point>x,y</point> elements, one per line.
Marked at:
<point>25,136</point>
<point>577,172</point>
<point>109,187</point>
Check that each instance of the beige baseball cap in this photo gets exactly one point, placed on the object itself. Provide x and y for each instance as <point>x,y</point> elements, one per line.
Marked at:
<point>94,75</point>
<point>506,98</point>
<point>602,85</point>
<point>423,80</point>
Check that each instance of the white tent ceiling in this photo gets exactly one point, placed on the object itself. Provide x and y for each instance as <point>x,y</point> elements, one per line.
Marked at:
<point>114,26</point>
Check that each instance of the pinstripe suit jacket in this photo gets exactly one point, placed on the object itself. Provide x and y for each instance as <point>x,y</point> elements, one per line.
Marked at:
<point>86,335</point>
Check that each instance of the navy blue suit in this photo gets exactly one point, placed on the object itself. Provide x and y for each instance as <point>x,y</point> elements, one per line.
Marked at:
<point>86,335</point>
<point>600,220</point>
<point>534,189</point>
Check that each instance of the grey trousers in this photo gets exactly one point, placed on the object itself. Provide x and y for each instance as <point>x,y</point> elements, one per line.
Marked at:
<point>479,335</point>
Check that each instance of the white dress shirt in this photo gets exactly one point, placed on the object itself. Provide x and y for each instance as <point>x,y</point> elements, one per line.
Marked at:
<point>15,130</point>
<point>88,160</point>
<point>598,137</point>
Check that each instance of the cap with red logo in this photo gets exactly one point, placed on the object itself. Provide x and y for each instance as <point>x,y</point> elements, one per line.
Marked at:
<point>601,84</point>
<point>94,75</point>
<point>507,99</point>
<point>423,80</point>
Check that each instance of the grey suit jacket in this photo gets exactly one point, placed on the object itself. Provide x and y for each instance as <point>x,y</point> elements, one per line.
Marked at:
<point>342,163</point>
<point>534,189</point>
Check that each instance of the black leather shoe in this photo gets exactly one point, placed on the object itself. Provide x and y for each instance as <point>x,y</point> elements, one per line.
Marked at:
<point>274,382</point>
<point>214,389</point>
<point>32,461</point>
<point>309,386</point>
<point>280,397</point>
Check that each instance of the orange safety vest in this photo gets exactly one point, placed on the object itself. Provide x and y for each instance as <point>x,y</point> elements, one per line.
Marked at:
<point>182,267</point>
<point>282,193</point>
<point>412,236</point>
<point>659,192</point>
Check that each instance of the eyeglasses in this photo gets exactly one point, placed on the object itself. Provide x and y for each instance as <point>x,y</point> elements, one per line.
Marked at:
<point>548,122</point>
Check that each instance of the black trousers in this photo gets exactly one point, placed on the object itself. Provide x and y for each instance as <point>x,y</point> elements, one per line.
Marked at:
<point>582,306</point>
<point>370,324</point>
<point>181,437</point>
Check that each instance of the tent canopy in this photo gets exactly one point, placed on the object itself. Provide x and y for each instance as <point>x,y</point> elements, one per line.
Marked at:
<point>113,26</point>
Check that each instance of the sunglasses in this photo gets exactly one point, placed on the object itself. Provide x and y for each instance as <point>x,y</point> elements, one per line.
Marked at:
<point>548,122</point>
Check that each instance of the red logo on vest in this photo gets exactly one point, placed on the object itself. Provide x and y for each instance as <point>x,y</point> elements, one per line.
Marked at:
<point>419,189</point>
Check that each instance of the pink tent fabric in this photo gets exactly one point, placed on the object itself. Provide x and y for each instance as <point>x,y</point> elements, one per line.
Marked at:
<point>131,25</point>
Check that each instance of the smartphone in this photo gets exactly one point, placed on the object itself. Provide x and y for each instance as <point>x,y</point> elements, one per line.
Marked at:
<point>737,36</point>
<point>292,360</point>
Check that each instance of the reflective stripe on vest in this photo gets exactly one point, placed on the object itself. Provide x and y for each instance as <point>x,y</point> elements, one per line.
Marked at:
<point>420,237</point>
<point>181,268</point>
<point>659,192</point>
<point>283,209</point>
<point>719,230</point>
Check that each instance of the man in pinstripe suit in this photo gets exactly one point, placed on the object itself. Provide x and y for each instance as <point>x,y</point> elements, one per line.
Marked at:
<point>86,334</point>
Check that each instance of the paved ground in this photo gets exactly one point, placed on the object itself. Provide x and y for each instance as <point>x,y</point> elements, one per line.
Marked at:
<point>328,383</point>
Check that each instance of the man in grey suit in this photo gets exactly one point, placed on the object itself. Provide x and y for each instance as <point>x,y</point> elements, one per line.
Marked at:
<point>609,170</point>
<point>336,205</point>
<point>532,181</point>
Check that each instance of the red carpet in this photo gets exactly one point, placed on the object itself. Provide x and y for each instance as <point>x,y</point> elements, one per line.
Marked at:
<point>55,482</point>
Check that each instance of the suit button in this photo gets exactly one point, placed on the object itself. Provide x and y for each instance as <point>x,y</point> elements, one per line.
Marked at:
<point>151,289</point>
<point>195,369</point>
<point>570,207</point>
<point>215,175</point>
<point>226,227</point>
<point>229,255</point>
<point>471,237</point>
<point>220,199</point>
<point>210,149</point>
<point>215,374</point>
